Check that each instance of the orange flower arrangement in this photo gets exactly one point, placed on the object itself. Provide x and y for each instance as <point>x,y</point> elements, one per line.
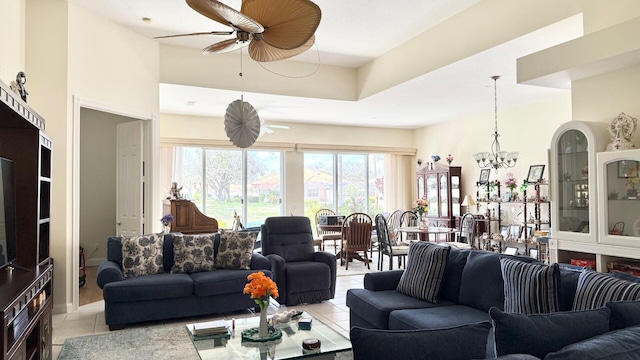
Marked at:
<point>260,287</point>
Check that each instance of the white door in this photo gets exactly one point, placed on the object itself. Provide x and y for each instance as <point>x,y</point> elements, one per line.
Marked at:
<point>130,179</point>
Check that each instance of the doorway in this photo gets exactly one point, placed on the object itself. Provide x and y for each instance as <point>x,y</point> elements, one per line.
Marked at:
<point>95,182</point>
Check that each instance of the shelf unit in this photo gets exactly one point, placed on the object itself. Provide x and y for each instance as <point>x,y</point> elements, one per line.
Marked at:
<point>26,294</point>
<point>490,196</point>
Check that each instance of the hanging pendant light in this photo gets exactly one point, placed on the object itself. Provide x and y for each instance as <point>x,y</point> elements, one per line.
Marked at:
<point>496,158</point>
<point>242,123</point>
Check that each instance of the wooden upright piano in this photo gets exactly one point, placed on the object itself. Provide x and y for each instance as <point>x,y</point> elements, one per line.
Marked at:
<point>188,219</point>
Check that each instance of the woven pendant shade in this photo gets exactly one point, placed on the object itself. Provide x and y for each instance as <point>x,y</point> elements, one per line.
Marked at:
<point>288,23</point>
<point>242,123</point>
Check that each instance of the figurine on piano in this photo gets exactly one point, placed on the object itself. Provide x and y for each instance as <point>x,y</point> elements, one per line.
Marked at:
<point>174,192</point>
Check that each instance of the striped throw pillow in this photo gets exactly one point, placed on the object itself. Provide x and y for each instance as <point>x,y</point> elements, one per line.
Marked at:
<point>422,278</point>
<point>596,289</point>
<point>530,288</point>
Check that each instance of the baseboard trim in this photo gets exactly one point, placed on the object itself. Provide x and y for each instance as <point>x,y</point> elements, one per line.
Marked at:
<point>94,261</point>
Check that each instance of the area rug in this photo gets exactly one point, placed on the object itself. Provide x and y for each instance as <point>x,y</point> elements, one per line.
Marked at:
<point>166,342</point>
<point>155,342</point>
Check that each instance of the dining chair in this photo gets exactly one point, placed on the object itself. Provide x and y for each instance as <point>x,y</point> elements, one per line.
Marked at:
<point>393,222</point>
<point>356,236</point>
<point>408,219</point>
<point>324,235</point>
<point>399,251</point>
<point>467,229</point>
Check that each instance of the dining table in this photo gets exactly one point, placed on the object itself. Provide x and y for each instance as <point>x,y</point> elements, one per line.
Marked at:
<point>425,232</point>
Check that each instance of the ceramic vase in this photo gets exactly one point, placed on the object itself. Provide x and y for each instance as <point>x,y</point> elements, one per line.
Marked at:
<point>263,329</point>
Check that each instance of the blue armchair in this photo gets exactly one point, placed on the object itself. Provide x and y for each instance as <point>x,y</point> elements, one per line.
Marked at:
<point>302,274</point>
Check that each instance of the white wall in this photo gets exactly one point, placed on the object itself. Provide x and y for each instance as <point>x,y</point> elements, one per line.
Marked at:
<point>12,39</point>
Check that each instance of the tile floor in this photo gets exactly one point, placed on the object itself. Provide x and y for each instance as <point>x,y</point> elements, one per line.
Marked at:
<point>89,319</point>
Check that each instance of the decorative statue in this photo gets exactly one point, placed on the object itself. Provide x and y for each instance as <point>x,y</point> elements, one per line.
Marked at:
<point>174,192</point>
<point>622,129</point>
<point>18,85</point>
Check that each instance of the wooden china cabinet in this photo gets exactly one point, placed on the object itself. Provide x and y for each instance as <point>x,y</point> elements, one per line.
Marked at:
<point>440,185</point>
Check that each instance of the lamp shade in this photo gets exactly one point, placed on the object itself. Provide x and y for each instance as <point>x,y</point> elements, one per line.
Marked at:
<point>468,201</point>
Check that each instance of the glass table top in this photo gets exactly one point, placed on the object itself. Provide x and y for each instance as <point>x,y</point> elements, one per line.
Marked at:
<point>289,346</point>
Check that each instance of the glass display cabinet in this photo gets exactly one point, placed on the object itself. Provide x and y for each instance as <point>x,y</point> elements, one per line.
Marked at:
<point>573,162</point>
<point>619,207</point>
<point>440,185</point>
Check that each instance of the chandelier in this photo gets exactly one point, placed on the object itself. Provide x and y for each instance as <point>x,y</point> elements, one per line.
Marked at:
<point>496,158</point>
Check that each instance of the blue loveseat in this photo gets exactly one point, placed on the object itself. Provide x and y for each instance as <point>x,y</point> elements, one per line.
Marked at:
<point>165,295</point>
<point>386,321</point>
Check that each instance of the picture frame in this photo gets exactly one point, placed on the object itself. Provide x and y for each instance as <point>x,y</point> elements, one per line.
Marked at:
<point>511,251</point>
<point>533,253</point>
<point>514,231</point>
<point>628,169</point>
<point>484,176</point>
<point>527,232</point>
<point>504,231</point>
<point>535,174</point>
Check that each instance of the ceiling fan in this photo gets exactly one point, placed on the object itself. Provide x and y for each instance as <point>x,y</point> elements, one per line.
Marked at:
<point>274,29</point>
<point>266,129</point>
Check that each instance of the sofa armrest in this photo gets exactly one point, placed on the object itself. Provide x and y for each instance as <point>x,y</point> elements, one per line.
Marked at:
<point>329,259</point>
<point>384,280</point>
<point>108,271</point>
<point>278,269</point>
<point>259,262</point>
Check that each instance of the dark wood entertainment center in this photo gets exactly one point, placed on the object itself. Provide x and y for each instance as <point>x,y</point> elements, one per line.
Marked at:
<point>26,295</point>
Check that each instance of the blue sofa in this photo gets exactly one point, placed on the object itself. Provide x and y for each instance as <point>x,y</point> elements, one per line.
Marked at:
<point>166,295</point>
<point>472,293</point>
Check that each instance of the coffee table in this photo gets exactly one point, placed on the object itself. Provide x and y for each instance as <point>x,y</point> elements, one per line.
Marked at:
<point>287,347</point>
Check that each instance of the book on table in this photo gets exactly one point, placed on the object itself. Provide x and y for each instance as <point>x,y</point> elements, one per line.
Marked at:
<point>215,327</point>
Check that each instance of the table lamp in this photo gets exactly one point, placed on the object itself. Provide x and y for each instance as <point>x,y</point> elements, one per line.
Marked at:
<point>468,202</point>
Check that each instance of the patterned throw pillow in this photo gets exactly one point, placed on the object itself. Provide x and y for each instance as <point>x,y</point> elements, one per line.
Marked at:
<point>235,250</point>
<point>596,289</point>
<point>142,255</point>
<point>530,288</point>
<point>192,253</point>
<point>422,278</point>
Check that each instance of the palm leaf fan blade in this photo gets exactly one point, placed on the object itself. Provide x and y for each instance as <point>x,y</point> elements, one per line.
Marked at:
<point>263,52</point>
<point>222,47</point>
<point>226,15</point>
<point>242,123</point>
<point>288,23</point>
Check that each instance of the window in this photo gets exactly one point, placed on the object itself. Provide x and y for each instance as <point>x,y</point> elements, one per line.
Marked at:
<point>220,180</point>
<point>345,183</point>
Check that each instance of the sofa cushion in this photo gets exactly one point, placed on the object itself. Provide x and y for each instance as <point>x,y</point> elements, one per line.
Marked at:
<point>482,286</point>
<point>624,276</point>
<point>619,345</point>
<point>453,274</point>
<point>624,314</point>
<point>436,317</point>
<point>221,281</point>
<point>142,255</point>
<point>192,253</point>
<point>442,344</point>
<point>376,306</point>
<point>422,278</point>
<point>151,287</point>
<point>596,289</point>
<point>540,334</point>
<point>235,250</point>
<point>304,276</point>
<point>530,288</point>
<point>568,286</point>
